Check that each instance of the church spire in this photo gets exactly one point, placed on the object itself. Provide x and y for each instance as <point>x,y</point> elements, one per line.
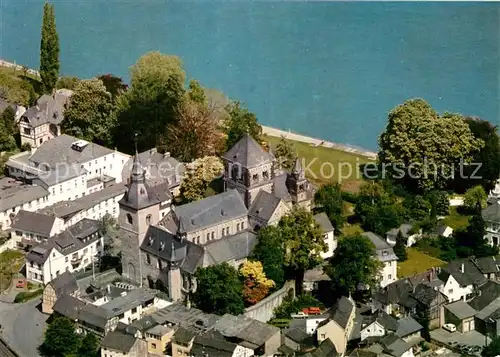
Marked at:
<point>138,173</point>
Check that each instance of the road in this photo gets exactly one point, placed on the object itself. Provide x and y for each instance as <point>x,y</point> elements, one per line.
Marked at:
<point>23,326</point>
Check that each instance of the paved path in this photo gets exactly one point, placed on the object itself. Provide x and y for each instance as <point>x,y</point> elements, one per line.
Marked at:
<point>307,139</point>
<point>23,326</point>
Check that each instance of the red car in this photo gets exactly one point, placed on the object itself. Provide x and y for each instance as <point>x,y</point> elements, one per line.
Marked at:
<point>312,311</point>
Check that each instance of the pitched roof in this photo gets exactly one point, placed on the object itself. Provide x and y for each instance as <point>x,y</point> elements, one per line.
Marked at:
<point>49,108</point>
<point>59,150</point>
<point>14,193</point>
<point>425,294</point>
<point>487,293</point>
<point>159,242</point>
<point>325,349</point>
<point>210,211</point>
<point>381,317</point>
<point>487,265</point>
<point>251,331</point>
<point>471,274</point>
<point>324,222</point>
<point>184,335</point>
<point>68,306</point>
<point>212,344</point>
<point>296,334</point>
<point>280,189</point>
<point>492,212</point>
<point>378,242</point>
<point>118,341</point>
<point>394,345</point>
<point>64,284</point>
<point>33,222</point>
<point>248,153</point>
<point>407,326</point>
<point>264,206</point>
<point>460,309</point>
<point>341,311</point>
<point>405,229</point>
<point>237,246</point>
<point>131,299</point>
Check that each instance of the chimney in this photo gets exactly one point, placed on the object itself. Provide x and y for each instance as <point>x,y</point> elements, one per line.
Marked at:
<point>166,154</point>
<point>152,151</point>
<point>462,268</point>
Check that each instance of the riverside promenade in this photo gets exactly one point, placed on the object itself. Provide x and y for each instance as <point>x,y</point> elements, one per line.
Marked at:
<point>18,67</point>
<point>268,130</point>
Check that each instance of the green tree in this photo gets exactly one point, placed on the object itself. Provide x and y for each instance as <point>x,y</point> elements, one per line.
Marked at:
<point>474,197</point>
<point>114,85</point>
<point>493,348</point>
<point>90,113</point>
<point>354,265</point>
<point>7,130</point>
<point>440,203</point>
<point>198,176</point>
<point>67,82</point>
<point>239,122</point>
<point>110,230</point>
<point>413,143</point>
<point>471,241</point>
<point>60,339</point>
<point>9,119</point>
<point>417,207</point>
<point>270,252</point>
<point>148,106</point>
<point>196,93</point>
<point>219,290</point>
<point>285,154</point>
<point>400,247</point>
<point>303,243</point>
<point>328,199</point>
<point>89,346</point>
<point>49,49</point>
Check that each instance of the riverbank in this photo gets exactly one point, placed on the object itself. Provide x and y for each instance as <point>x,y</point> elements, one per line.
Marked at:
<point>268,130</point>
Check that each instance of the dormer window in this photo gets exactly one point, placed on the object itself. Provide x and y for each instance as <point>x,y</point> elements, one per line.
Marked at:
<point>151,240</point>
<point>255,177</point>
<point>265,175</point>
<point>385,252</point>
<point>162,246</point>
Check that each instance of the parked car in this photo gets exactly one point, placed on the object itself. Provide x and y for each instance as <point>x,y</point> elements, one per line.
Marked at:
<point>312,311</point>
<point>450,327</point>
<point>299,315</point>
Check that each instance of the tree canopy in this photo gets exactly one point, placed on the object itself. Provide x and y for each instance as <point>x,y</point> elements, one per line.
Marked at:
<point>114,85</point>
<point>400,247</point>
<point>414,141</point>
<point>219,290</point>
<point>329,199</point>
<point>7,130</point>
<point>49,49</point>
<point>475,197</point>
<point>90,114</point>
<point>256,285</point>
<point>198,176</point>
<point>60,339</point>
<point>270,252</point>
<point>303,243</point>
<point>285,154</point>
<point>493,348</point>
<point>354,264</point>
<point>239,122</point>
<point>148,106</point>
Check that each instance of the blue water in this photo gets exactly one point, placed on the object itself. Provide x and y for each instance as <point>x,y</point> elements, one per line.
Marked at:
<point>331,70</point>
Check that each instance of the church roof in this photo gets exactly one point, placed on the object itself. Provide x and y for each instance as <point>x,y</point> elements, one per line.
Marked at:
<point>248,153</point>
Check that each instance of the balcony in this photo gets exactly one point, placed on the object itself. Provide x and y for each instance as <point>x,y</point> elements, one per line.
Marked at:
<point>75,261</point>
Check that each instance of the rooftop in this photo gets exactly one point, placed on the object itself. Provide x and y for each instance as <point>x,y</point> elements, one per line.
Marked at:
<point>118,341</point>
<point>248,153</point>
<point>14,193</point>
<point>131,299</point>
<point>460,309</point>
<point>324,222</point>
<point>33,222</point>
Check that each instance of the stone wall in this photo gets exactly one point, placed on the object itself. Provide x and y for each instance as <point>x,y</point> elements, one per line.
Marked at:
<point>264,310</point>
<point>9,244</point>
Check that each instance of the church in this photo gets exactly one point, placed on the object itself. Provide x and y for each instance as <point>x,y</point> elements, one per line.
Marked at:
<point>163,244</point>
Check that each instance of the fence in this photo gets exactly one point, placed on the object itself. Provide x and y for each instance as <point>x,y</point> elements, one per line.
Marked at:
<point>264,310</point>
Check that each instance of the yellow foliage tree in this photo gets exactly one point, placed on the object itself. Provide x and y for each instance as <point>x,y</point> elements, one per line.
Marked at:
<point>253,270</point>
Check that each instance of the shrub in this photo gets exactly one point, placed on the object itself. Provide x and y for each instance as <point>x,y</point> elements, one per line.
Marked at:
<point>292,306</point>
<point>26,296</point>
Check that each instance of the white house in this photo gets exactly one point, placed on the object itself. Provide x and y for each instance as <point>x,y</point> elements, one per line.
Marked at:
<point>443,231</point>
<point>460,278</point>
<point>406,231</point>
<point>72,250</point>
<point>328,234</point>
<point>385,254</point>
<point>491,216</point>
<point>32,228</point>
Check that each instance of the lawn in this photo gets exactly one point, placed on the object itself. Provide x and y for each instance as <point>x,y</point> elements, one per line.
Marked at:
<point>20,88</point>
<point>328,164</point>
<point>11,262</point>
<point>455,219</point>
<point>417,262</point>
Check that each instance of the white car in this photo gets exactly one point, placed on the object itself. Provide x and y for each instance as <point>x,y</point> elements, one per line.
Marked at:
<point>450,327</point>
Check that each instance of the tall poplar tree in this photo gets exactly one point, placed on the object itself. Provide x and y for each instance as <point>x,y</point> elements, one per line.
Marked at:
<point>49,49</point>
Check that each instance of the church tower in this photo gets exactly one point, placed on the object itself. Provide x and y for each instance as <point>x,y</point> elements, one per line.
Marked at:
<point>174,276</point>
<point>298,186</point>
<point>139,208</point>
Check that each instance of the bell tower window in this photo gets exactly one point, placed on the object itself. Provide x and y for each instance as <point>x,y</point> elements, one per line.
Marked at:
<point>148,219</point>
<point>129,218</point>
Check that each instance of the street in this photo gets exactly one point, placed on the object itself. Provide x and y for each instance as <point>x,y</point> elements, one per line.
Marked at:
<point>22,327</point>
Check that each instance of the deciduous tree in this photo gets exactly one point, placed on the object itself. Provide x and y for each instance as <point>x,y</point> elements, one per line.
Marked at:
<point>474,197</point>
<point>196,132</point>
<point>400,247</point>
<point>90,114</point>
<point>440,203</point>
<point>114,85</point>
<point>354,265</point>
<point>493,348</point>
<point>49,49</point>
<point>198,176</point>
<point>67,82</point>
<point>240,122</point>
<point>285,154</point>
<point>219,290</point>
<point>270,252</point>
<point>418,208</point>
<point>196,93</point>
<point>414,141</point>
<point>89,346</point>
<point>328,199</point>
<point>148,106</point>
<point>60,339</point>
<point>256,285</point>
<point>303,243</point>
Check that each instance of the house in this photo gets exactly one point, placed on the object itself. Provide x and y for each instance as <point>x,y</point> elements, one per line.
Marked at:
<point>339,326</point>
<point>426,298</point>
<point>213,343</point>
<point>380,324</point>
<point>315,278</point>
<point>42,121</point>
<point>118,343</point>
<point>266,210</point>
<point>489,266</point>
<point>442,230</point>
<point>328,234</point>
<point>487,307</point>
<point>158,338</point>
<point>391,345</point>
<point>72,250</point>
<point>385,254</point>
<point>460,314</point>
<point>460,278</point>
<point>491,216</point>
<point>182,342</point>
<point>495,193</point>
<point>32,228</point>
<point>15,196</point>
<point>160,169</point>
<point>297,339</point>
<point>325,349</point>
<point>407,233</point>
<point>63,284</point>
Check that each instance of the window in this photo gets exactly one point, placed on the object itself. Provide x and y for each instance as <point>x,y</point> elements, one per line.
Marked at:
<point>148,259</point>
<point>255,177</point>
<point>134,310</point>
<point>148,219</point>
<point>153,345</point>
<point>66,259</point>
<point>208,237</point>
<point>227,230</point>
<point>265,175</point>
<point>213,235</point>
<point>242,225</point>
<point>238,227</point>
<point>390,276</point>
<point>129,218</point>
<point>121,316</point>
<point>450,291</point>
<point>160,266</point>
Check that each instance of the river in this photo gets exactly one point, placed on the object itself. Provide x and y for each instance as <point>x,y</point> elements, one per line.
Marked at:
<point>327,69</point>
